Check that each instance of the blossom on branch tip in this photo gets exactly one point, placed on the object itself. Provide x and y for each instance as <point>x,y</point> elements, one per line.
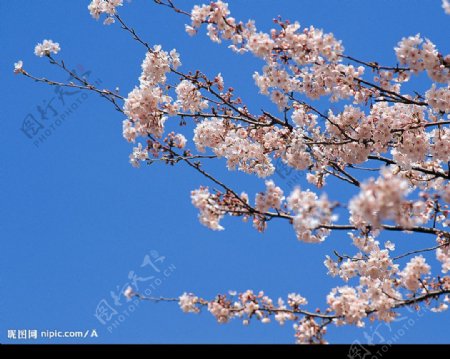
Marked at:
<point>138,155</point>
<point>46,48</point>
<point>295,300</point>
<point>389,245</point>
<point>108,7</point>
<point>129,293</point>
<point>18,67</point>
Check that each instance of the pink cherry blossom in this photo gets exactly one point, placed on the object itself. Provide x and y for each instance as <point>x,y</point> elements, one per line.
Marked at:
<point>46,48</point>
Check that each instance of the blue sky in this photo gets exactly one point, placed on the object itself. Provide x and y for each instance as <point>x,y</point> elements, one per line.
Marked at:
<point>76,218</point>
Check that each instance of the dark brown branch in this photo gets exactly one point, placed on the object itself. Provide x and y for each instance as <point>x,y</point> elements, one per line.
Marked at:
<point>401,303</point>
<point>375,65</point>
<point>420,251</point>
<point>415,168</point>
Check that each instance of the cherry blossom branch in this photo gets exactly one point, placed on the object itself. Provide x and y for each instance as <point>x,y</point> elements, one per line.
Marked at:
<point>404,255</point>
<point>70,84</point>
<point>349,178</point>
<point>414,167</point>
<point>387,227</point>
<point>253,211</point>
<point>415,300</point>
<point>107,94</point>
<point>392,94</point>
<point>295,311</point>
<point>136,37</point>
<point>269,310</point>
<point>179,158</point>
<point>171,5</point>
<point>245,116</point>
<point>375,65</point>
<point>421,251</point>
<point>133,33</point>
<point>196,167</point>
<point>437,123</point>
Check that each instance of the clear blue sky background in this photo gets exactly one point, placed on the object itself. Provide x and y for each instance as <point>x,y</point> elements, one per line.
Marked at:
<point>76,218</point>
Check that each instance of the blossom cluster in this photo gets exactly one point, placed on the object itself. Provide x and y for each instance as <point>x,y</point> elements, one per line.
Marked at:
<point>312,215</point>
<point>189,98</point>
<point>243,148</point>
<point>377,293</point>
<point>439,99</point>
<point>210,212</point>
<point>108,7</point>
<point>410,276</point>
<point>138,155</point>
<point>384,199</point>
<point>380,283</point>
<point>46,48</point>
<point>309,50</point>
<point>422,55</point>
<point>348,303</point>
<point>443,256</point>
<point>147,105</point>
<point>249,305</point>
<point>308,331</point>
<point>272,198</point>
